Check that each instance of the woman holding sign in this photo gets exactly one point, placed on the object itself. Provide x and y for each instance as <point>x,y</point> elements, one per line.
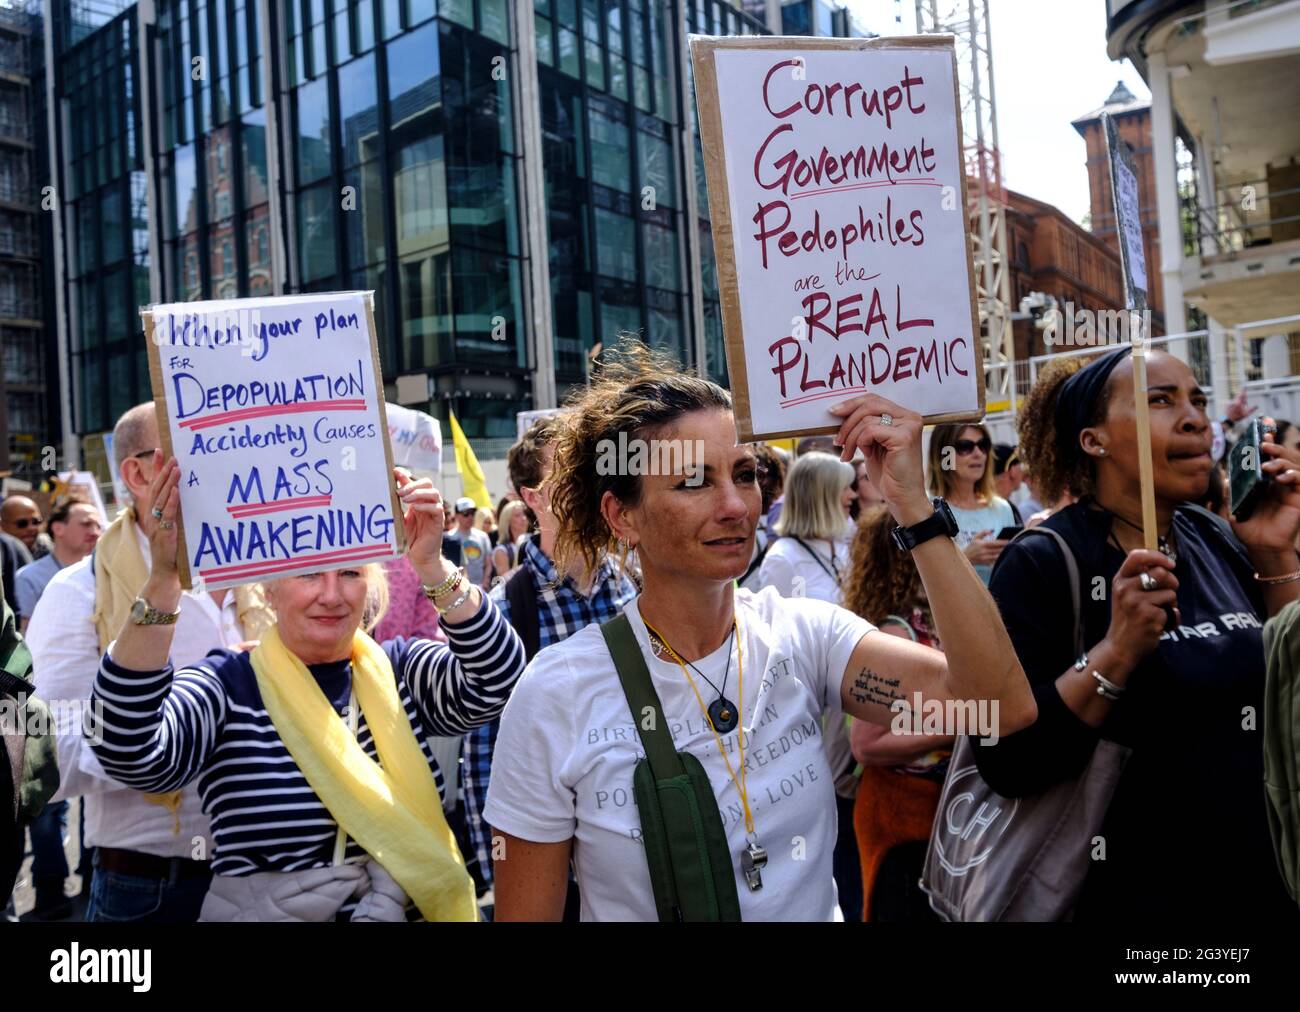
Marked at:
<point>287,741</point>
<point>724,691</point>
<point>1173,665</point>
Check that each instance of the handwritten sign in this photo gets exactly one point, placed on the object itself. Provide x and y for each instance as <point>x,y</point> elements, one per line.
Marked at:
<point>416,438</point>
<point>1128,218</point>
<point>837,194</point>
<point>274,409</point>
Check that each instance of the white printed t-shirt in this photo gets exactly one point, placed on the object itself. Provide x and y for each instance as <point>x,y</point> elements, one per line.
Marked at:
<point>567,749</point>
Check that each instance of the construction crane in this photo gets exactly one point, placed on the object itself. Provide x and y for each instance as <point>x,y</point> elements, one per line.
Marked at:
<point>968,22</point>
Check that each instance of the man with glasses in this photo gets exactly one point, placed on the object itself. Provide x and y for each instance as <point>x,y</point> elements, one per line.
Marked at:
<point>475,546</point>
<point>152,850</point>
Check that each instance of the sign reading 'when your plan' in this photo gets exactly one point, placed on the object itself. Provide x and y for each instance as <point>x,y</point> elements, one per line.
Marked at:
<point>838,202</point>
<point>274,409</point>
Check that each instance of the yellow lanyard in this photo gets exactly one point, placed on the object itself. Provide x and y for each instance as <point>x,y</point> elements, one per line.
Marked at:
<point>740,781</point>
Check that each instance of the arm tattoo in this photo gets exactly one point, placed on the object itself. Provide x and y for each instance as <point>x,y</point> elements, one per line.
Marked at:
<point>869,687</point>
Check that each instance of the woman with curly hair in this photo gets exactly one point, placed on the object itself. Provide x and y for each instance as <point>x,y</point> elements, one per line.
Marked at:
<point>562,780</point>
<point>1173,664</point>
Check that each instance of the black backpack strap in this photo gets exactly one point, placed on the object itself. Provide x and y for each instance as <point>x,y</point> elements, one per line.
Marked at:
<point>521,595</point>
<point>691,870</point>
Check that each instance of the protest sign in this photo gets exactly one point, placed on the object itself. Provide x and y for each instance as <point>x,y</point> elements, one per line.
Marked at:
<point>1128,219</point>
<point>524,419</point>
<point>838,202</point>
<point>83,485</point>
<point>274,409</point>
<point>416,438</point>
<point>1132,261</point>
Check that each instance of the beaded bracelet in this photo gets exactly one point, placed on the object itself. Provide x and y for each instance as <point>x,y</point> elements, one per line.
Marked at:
<point>446,587</point>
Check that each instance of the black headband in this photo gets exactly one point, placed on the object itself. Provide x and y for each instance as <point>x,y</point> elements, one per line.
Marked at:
<point>1079,395</point>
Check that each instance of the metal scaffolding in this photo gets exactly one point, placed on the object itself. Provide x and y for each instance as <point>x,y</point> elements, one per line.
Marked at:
<point>968,22</point>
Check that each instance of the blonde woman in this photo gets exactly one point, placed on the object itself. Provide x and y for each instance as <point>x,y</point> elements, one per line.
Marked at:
<point>961,471</point>
<point>513,526</point>
<point>811,557</point>
<point>286,742</point>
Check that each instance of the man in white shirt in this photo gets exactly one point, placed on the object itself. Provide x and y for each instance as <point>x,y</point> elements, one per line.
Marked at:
<point>151,862</point>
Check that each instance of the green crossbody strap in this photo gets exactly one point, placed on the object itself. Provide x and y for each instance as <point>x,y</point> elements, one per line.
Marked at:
<point>686,849</point>
<point>642,698</point>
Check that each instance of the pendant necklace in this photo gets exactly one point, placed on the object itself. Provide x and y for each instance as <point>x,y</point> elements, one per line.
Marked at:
<point>754,857</point>
<point>724,715</point>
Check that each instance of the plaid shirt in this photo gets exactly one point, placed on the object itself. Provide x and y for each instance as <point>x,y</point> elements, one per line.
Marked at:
<point>561,612</point>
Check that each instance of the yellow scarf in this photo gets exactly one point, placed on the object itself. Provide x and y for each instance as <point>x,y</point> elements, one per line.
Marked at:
<point>120,575</point>
<point>392,810</point>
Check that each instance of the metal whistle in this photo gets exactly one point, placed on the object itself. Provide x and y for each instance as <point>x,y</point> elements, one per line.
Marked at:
<point>752,859</point>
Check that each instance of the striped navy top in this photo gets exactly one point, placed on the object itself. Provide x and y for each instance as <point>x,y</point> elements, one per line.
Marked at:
<point>161,730</point>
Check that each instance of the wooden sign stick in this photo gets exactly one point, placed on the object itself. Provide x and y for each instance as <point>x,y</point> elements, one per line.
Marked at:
<point>1142,415</point>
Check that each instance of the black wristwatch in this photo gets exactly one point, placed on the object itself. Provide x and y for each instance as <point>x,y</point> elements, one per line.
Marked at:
<point>943,522</point>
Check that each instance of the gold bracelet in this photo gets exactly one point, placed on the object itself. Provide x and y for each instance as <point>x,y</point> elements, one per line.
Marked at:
<point>446,587</point>
<point>1284,578</point>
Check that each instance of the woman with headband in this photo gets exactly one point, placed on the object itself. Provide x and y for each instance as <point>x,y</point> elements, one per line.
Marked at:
<point>1173,665</point>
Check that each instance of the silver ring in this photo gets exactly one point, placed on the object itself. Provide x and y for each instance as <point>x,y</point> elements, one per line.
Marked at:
<point>886,419</point>
<point>167,525</point>
<point>157,513</point>
<point>1147,581</point>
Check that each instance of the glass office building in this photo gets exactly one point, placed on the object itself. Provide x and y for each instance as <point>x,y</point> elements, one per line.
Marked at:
<point>518,181</point>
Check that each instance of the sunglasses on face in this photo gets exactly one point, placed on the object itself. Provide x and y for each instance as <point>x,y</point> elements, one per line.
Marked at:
<point>965,447</point>
<point>26,522</point>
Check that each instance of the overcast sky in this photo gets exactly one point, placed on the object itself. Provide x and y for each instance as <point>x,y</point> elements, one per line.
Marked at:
<point>1049,67</point>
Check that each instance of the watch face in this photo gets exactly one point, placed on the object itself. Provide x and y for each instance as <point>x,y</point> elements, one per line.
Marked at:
<point>942,508</point>
<point>138,611</point>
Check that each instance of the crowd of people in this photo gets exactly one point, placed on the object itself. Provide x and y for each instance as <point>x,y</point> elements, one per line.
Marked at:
<point>514,720</point>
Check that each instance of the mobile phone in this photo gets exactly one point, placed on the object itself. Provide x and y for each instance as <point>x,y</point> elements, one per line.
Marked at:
<point>1007,533</point>
<point>1247,481</point>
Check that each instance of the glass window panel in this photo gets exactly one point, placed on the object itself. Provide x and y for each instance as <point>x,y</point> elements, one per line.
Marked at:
<point>425,304</point>
<point>221,261</point>
<point>257,230</point>
<point>113,238</point>
<point>413,64</point>
<point>618,77</point>
<point>363,26</point>
<point>619,315</point>
<point>392,17</point>
<point>319,54</point>
<point>364,223</point>
<point>486,293</point>
<point>342,36</point>
<point>567,12</point>
<point>496,23</point>
<point>460,11</point>
<point>570,61</point>
<point>655,158</point>
<point>614,27</point>
<point>186,208</point>
<point>420,194</point>
<point>121,385</point>
<point>220,170</point>
<point>595,65</point>
<point>665,331</point>
<point>92,395</point>
<point>542,28</point>
<point>313,140</point>
<point>615,245</point>
<point>419,11</point>
<point>88,314</point>
<point>641,88</point>
<point>114,293</point>
<point>611,162</point>
<point>253,143</point>
<point>662,262</point>
<point>316,212</point>
<point>359,111</point>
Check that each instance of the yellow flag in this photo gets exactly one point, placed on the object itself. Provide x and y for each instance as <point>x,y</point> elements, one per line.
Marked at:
<point>783,444</point>
<point>471,475</point>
